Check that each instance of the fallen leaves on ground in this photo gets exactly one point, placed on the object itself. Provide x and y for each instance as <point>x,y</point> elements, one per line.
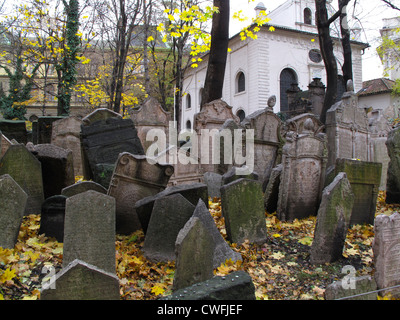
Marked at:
<point>280,268</point>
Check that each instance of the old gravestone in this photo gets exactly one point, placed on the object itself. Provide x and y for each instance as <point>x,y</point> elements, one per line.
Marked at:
<point>364,178</point>
<point>104,135</point>
<point>194,249</point>
<point>45,127</point>
<point>26,170</point>
<point>271,193</point>
<point>303,169</point>
<point>57,168</point>
<point>359,288</point>
<point>386,248</point>
<point>333,220</point>
<point>82,186</point>
<point>135,178</point>
<point>5,143</point>
<point>192,192</point>
<point>14,129</point>
<point>12,207</point>
<point>82,281</point>
<point>213,181</point>
<point>243,210</point>
<point>89,230</point>
<point>52,217</point>
<point>393,172</point>
<point>170,214</point>
<point>222,251</point>
<point>66,134</point>
<point>347,130</point>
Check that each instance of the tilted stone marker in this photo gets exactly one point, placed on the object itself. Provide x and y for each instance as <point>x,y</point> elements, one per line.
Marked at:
<point>358,287</point>
<point>135,178</point>
<point>194,249</point>
<point>393,173</point>
<point>235,286</point>
<point>82,281</point>
<point>89,230</point>
<point>333,220</point>
<point>213,181</point>
<point>386,248</point>
<point>26,170</point>
<point>82,186</point>
<point>12,207</point>
<point>169,216</point>
<point>271,194</point>
<point>243,209</point>
<point>52,217</point>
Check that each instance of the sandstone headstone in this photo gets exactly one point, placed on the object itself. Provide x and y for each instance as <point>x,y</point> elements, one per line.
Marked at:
<point>82,281</point>
<point>361,285</point>
<point>170,214</point>
<point>89,230</point>
<point>194,249</point>
<point>237,285</point>
<point>192,192</point>
<point>303,172</point>
<point>364,179</point>
<point>66,134</point>
<point>222,251</point>
<point>393,172</point>
<point>26,170</point>
<point>135,178</point>
<point>82,186</point>
<point>386,248</point>
<point>243,210</point>
<point>12,207</point>
<point>52,217</point>
<point>57,168</point>
<point>333,220</point>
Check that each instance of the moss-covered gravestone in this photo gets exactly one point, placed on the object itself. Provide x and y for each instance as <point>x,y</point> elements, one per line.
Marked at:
<point>393,173</point>
<point>243,209</point>
<point>332,221</point>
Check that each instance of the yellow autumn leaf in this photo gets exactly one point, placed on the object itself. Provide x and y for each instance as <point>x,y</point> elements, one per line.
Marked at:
<point>306,241</point>
<point>7,275</point>
<point>157,289</point>
<point>149,39</point>
<point>276,235</point>
<point>278,255</point>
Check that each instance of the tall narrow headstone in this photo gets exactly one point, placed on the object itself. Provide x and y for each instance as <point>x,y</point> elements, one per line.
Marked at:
<point>333,220</point>
<point>12,207</point>
<point>393,172</point>
<point>89,230</point>
<point>194,249</point>
<point>52,217</point>
<point>26,170</point>
<point>243,209</point>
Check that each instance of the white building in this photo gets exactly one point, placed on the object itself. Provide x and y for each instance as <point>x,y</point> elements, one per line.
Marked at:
<point>258,69</point>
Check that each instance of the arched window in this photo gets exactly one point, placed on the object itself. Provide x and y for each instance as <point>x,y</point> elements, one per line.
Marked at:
<point>241,114</point>
<point>188,125</point>
<point>307,16</point>
<point>240,82</point>
<point>188,101</point>
<point>287,78</point>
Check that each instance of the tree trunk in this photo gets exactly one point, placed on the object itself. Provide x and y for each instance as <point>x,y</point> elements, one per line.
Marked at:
<point>347,67</point>
<point>214,81</point>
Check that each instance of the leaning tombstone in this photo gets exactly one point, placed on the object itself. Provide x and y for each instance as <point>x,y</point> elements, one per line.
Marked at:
<point>194,249</point>
<point>26,170</point>
<point>82,186</point>
<point>386,248</point>
<point>89,230</point>
<point>5,143</point>
<point>52,217</point>
<point>271,193</point>
<point>135,178</point>
<point>357,288</point>
<point>14,129</point>
<point>12,207</point>
<point>169,216</point>
<point>243,210</point>
<point>213,181</point>
<point>222,250</point>
<point>333,220</point>
<point>81,281</point>
<point>44,128</point>
<point>393,172</point>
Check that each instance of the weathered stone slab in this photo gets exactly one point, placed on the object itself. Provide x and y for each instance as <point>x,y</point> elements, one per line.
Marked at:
<point>170,214</point>
<point>222,250</point>
<point>14,129</point>
<point>89,230</point>
<point>243,210</point>
<point>82,186</point>
<point>194,249</point>
<point>393,172</point>
<point>26,170</point>
<point>44,128</point>
<point>361,285</point>
<point>333,220</point>
<point>135,178</point>
<point>12,207</point>
<point>386,248</point>
<point>82,281</point>
<point>192,192</point>
<point>52,217</point>
<point>5,143</point>
<point>271,194</point>
<point>235,286</point>
<point>213,181</point>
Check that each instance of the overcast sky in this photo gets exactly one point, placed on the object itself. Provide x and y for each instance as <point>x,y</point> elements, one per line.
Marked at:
<point>369,12</point>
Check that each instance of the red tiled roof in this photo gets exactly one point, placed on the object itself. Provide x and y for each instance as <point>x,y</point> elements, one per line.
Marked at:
<point>376,86</point>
